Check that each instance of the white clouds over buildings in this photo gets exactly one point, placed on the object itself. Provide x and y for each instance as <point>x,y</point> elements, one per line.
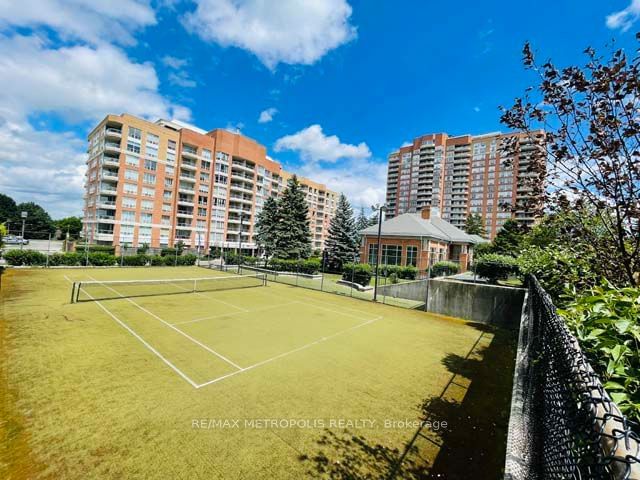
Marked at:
<point>267,115</point>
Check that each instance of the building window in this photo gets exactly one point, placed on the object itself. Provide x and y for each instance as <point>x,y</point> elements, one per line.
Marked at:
<point>150,165</point>
<point>135,133</point>
<point>373,253</point>
<point>149,178</point>
<point>412,256</point>
<point>133,147</point>
<point>391,254</point>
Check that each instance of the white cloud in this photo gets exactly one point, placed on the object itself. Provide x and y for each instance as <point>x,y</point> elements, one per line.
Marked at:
<point>89,20</point>
<point>43,167</point>
<point>362,181</point>
<point>174,62</point>
<point>314,146</point>
<point>181,79</point>
<point>284,31</point>
<point>234,127</point>
<point>267,115</point>
<point>624,19</point>
<point>79,82</point>
<point>476,109</point>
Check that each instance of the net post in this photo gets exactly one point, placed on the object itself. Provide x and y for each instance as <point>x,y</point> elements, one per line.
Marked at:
<point>78,291</point>
<point>73,292</point>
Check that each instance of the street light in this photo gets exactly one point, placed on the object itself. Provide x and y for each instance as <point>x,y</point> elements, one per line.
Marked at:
<point>24,219</point>
<point>380,213</point>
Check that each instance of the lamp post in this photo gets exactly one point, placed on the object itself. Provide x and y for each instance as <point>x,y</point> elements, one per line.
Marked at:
<point>375,289</point>
<point>24,219</point>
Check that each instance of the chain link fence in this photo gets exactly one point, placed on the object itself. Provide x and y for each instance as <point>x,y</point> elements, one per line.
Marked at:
<point>563,423</point>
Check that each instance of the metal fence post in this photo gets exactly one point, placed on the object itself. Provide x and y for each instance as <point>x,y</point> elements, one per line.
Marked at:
<point>322,270</point>
<point>48,250</point>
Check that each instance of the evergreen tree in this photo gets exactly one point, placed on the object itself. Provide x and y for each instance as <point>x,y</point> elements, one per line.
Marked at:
<point>362,222</point>
<point>474,225</point>
<point>509,239</point>
<point>38,222</point>
<point>8,209</point>
<point>293,237</point>
<point>266,227</point>
<point>342,242</point>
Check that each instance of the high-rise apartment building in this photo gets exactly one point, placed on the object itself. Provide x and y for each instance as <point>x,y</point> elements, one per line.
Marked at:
<point>463,175</point>
<point>164,182</point>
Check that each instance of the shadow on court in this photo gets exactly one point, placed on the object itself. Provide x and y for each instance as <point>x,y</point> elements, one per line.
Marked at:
<point>475,404</point>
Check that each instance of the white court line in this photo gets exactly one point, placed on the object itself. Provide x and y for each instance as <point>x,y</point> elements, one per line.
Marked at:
<point>208,349</point>
<point>259,309</point>
<point>303,347</point>
<point>158,354</point>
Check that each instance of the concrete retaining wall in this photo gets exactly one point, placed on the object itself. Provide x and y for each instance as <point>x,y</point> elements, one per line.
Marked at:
<point>489,304</point>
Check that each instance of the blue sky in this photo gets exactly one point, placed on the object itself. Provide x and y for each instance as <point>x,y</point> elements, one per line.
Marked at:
<point>329,86</point>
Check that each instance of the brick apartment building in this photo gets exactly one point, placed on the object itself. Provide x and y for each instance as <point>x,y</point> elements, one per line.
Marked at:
<point>164,182</point>
<point>460,176</point>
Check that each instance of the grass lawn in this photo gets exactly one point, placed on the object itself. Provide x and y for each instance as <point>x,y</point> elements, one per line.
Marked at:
<point>264,382</point>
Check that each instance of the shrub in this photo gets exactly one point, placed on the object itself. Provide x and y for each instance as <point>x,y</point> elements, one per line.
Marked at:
<point>605,321</point>
<point>558,268</point>
<point>143,249</point>
<point>386,270</point>
<point>393,278</point>
<point>310,266</point>
<point>188,259</point>
<point>133,260</point>
<point>80,247</point>
<point>439,269</point>
<point>70,259</point>
<point>494,267</point>
<point>357,272</point>
<point>168,251</point>
<point>100,259</point>
<point>24,257</point>
<point>169,260</point>
<point>158,260</point>
<point>408,272</point>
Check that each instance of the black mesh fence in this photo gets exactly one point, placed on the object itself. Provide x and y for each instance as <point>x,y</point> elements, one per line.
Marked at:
<point>563,423</point>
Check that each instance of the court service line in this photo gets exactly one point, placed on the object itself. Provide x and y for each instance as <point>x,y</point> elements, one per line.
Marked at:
<point>208,349</point>
<point>142,340</point>
<point>303,347</point>
<point>259,309</point>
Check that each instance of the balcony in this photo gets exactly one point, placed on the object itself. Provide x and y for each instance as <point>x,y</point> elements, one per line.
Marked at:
<point>185,189</point>
<point>111,132</point>
<point>112,146</point>
<point>241,188</point>
<point>186,201</point>
<point>244,167</point>
<point>103,236</point>
<point>188,164</point>
<point>237,209</point>
<point>109,175</point>
<point>106,218</point>
<point>108,189</point>
<point>187,177</point>
<point>109,204</point>
<point>241,199</point>
<point>110,161</point>
<point>189,153</point>
<point>184,212</point>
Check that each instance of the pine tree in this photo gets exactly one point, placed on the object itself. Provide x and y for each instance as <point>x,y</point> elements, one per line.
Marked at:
<point>509,239</point>
<point>342,242</point>
<point>266,227</point>
<point>362,221</point>
<point>474,225</point>
<point>293,237</point>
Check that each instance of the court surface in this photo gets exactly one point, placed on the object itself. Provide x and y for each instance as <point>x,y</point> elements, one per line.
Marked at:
<point>261,382</point>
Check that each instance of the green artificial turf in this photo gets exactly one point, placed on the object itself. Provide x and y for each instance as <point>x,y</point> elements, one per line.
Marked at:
<point>264,382</point>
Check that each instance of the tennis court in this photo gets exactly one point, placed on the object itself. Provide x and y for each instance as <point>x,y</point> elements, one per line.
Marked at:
<point>185,373</point>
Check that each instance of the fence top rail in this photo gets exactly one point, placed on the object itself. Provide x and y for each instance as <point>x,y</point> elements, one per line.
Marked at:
<point>168,280</point>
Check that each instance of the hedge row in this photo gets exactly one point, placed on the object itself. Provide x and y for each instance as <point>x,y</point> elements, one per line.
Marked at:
<point>359,273</point>
<point>439,269</point>
<point>98,259</point>
<point>407,273</point>
<point>310,266</point>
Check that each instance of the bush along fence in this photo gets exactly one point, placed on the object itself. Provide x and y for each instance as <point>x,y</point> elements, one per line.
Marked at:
<point>563,422</point>
<point>94,258</point>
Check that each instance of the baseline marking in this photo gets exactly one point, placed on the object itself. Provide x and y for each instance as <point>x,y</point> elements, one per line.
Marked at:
<point>208,349</point>
<point>303,347</point>
<point>142,340</point>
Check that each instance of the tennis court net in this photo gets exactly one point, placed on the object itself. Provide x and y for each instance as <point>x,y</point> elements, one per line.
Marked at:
<point>110,289</point>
